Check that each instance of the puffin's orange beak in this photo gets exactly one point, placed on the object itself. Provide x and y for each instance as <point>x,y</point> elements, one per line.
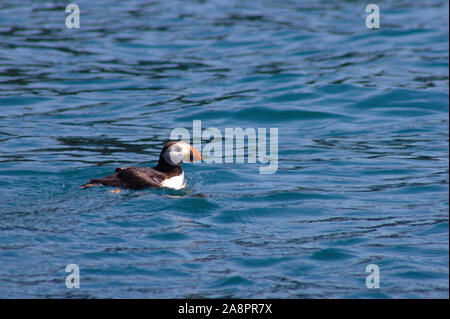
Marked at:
<point>194,155</point>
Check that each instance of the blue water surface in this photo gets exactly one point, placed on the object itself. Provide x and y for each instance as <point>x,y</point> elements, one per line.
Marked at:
<point>362,118</point>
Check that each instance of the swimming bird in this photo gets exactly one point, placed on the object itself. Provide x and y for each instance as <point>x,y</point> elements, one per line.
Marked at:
<point>167,173</point>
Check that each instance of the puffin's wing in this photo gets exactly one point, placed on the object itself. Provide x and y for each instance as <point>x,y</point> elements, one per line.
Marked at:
<point>139,177</point>
<point>111,180</point>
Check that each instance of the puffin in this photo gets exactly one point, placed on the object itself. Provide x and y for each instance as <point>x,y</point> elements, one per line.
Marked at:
<point>167,173</point>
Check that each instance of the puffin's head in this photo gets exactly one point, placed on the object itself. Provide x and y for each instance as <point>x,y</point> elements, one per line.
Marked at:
<point>177,152</point>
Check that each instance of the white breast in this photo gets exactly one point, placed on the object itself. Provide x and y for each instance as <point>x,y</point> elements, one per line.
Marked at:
<point>176,182</point>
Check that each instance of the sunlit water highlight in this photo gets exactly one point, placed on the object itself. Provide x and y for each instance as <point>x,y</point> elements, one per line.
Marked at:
<point>363,149</point>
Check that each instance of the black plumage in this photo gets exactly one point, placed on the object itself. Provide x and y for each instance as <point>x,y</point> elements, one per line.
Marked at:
<point>139,177</point>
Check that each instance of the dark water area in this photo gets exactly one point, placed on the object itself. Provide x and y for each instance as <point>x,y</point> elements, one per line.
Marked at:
<point>362,118</point>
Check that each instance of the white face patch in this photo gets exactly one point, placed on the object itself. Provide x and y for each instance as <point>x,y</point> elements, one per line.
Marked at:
<point>176,182</point>
<point>176,153</point>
